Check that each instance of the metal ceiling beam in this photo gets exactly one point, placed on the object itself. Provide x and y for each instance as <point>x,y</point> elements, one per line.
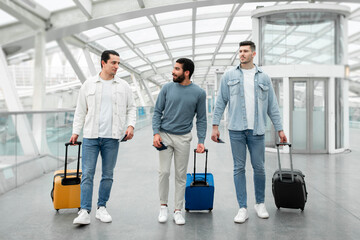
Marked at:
<point>108,12</point>
<point>354,67</point>
<point>72,60</point>
<point>141,3</point>
<point>23,15</point>
<point>85,6</point>
<point>104,13</point>
<point>354,14</point>
<point>34,8</point>
<point>130,45</point>
<point>224,34</point>
<point>193,37</point>
<point>161,37</point>
<point>98,49</point>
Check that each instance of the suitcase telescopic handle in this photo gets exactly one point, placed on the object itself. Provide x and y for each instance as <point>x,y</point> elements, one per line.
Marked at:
<point>291,162</point>
<point>206,152</point>
<point>66,157</point>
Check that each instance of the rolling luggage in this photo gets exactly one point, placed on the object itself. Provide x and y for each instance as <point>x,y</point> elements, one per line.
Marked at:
<point>288,185</point>
<point>66,185</point>
<point>199,192</point>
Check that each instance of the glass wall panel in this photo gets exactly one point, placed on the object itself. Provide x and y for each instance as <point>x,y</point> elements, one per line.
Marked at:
<point>300,38</point>
<point>15,165</point>
<point>299,116</point>
<point>318,117</point>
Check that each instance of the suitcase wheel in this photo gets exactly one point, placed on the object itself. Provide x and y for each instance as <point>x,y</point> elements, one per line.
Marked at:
<point>210,209</point>
<point>186,209</point>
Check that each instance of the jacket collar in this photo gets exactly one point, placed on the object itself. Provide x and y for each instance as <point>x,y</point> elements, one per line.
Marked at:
<point>96,78</point>
<point>257,68</point>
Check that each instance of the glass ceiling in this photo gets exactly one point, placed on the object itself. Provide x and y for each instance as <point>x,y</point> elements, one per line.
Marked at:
<point>149,43</point>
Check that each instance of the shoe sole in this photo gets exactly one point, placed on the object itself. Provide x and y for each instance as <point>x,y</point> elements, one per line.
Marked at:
<point>102,220</point>
<point>179,223</point>
<point>81,223</point>
<point>241,221</point>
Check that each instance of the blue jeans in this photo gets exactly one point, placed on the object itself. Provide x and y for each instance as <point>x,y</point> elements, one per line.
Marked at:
<point>108,148</point>
<point>256,146</point>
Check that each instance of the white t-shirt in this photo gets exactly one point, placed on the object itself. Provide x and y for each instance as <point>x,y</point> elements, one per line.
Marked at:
<point>249,79</point>
<point>105,119</point>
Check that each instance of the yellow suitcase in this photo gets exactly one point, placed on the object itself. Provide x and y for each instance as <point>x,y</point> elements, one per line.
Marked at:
<point>66,187</point>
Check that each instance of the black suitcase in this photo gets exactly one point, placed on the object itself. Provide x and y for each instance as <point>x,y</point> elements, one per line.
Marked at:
<point>288,185</point>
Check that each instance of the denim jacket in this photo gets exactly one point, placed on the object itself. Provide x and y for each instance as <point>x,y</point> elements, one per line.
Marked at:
<point>88,108</point>
<point>232,92</point>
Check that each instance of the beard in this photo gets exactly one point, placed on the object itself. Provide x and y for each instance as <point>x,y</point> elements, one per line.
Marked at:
<point>179,79</point>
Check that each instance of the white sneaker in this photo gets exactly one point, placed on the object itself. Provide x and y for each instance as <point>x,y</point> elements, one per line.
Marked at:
<point>163,215</point>
<point>241,216</point>
<point>178,218</point>
<point>103,215</point>
<point>82,218</point>
<point>261,210</point>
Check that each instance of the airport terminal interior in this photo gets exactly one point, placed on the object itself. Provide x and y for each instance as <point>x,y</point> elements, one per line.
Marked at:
<point>310,49</point>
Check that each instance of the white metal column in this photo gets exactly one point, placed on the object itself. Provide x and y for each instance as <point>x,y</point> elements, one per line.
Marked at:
<point>147,89</point>
<point>71,60</point>
<point>13,104</point>
<point>89,62</point>
<point>39,92</point>
<point>286,109</point>
<point>137,88</point>
<point>331,115</point>
<point>346,114</point>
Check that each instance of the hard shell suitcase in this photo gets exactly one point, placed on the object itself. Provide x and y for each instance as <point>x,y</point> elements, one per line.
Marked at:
<point>199,192</point>
<point>288,185</point>
<point>66,185</point>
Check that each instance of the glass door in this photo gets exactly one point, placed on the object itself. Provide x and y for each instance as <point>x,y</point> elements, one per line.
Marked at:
<point>308,115</point>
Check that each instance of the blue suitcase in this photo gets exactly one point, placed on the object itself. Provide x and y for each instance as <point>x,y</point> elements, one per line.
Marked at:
<point>199,192</point>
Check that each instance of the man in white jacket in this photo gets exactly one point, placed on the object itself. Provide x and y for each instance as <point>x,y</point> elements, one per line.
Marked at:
<point>107,112</point>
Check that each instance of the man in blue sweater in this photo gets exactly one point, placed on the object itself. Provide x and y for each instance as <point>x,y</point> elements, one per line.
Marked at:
<point>177,104</point>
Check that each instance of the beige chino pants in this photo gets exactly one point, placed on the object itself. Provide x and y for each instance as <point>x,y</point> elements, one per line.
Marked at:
<point>179,147</point>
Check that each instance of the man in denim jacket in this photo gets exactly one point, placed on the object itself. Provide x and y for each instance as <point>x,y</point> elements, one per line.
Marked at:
<point>250,95</point>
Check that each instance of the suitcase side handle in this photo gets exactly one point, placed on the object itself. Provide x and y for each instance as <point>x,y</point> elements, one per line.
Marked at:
<point>66,156</point>
<point>206,152</point>
<point>291,162</point>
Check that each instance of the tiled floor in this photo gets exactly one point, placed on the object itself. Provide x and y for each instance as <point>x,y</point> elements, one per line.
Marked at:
<point>332,210</point>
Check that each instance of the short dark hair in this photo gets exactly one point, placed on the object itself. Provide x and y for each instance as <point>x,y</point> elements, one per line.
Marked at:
<point>248,43</point>
<point>105,56</point>
<point>187,65</point>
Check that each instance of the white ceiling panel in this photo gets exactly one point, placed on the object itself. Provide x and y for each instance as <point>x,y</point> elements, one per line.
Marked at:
<point>143,35</point>
<point>210,25</point>
<point>177,29</point>
<point>114,42</point>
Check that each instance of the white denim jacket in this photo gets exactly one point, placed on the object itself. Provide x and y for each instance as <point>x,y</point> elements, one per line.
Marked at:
<point>88,108</point>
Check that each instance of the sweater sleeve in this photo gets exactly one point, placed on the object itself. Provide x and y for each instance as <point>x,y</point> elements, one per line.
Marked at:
<point>201,122</point>
<point>158,111</point>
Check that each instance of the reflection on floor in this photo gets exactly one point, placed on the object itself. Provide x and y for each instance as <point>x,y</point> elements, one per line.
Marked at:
<point>332,210</point>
